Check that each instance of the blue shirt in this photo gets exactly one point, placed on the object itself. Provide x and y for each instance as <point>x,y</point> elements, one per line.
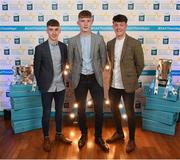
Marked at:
<point>86,55</point>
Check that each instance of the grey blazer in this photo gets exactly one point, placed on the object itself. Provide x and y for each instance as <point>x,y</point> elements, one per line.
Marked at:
<point>98,53</point>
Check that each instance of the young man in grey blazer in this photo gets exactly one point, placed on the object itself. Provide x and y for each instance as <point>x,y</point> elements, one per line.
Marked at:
<point>87,59</point>
<point>49,63</point>
<point>126,61</point>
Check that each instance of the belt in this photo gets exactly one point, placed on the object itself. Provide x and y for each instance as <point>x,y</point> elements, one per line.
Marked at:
<point>88,75</point>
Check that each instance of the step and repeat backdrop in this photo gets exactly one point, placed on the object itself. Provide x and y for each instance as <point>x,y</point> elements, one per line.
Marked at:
<point>155,23</point>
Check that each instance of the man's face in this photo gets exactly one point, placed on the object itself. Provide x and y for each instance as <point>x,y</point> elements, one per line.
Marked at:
<point>53,32</point>
<point>85,24</point>
<point>119,29</point>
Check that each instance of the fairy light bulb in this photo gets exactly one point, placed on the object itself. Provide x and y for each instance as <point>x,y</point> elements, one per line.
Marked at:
<point>67,66</point>
<point>120,106</point>
<point>124,116</point>
<point>72,134</point>
<point>107,67</point>
<point>107,102</point>
<point>89,103</point>
<point>65,72</point>
<point>72,115</point>
<point>75,105</point>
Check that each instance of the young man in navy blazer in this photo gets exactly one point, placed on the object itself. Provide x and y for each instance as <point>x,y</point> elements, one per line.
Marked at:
<point>49,63</point>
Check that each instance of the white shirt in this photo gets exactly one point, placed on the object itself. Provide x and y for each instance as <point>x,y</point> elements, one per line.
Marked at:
<point>117,78</point>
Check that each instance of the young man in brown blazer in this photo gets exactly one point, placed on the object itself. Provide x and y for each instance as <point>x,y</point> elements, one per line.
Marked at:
<point>126,61</point>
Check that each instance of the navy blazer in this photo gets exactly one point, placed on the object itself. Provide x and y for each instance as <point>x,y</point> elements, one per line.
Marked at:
<point>43,65</point>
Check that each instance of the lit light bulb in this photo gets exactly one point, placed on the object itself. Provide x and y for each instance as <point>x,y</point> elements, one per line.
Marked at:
<point>107,102</point>
<point>72,115</point>
<point>72,134</point>
<point>67,66</point>
<point>107,67</point>
<point>120,106</point>
<point>89,103</point>
<point>65,72</point>
<point>124,116</point>
<point>75,105</point>
<point>89,144</point>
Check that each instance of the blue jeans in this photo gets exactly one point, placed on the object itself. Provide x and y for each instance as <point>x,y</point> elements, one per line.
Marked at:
<point>47,98</point>
<point>89,82</point>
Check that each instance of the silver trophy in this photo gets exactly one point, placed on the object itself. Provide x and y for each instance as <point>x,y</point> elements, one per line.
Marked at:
<point>16,75</point>
<point>27,74</point>
<point>163,69</point>
<point>162,73</point>
<point>23,75</point>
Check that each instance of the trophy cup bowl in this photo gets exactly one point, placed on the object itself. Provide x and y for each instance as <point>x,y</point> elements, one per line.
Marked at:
<point>163,68</point>
<point>27,74</point>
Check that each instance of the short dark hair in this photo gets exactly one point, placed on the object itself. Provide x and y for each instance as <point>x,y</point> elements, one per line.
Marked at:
<point>120,18</point>
<point>85,14</point>
<point>53,22</point>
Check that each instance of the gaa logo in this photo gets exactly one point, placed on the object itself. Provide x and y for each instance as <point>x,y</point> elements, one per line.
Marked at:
<point>6,51</point>
<point>154,51</point>
<point>166,40</point>
<point>156,6</point>
<point>54,6</point>
<point>176,52</point>
<point>105,6</point>
<point>130,6</point>
<point>17,40</point>
<point>29,6</point>
<point>5,7</point>
<point>79,5</point>
<point>141,17</point>
<point>16,18</point>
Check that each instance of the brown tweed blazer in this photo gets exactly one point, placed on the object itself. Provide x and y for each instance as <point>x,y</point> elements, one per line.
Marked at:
<point>131,62</point>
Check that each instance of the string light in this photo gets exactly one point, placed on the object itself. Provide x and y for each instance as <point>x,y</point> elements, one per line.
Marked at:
<point>120,106</point>
<point>72,134</point>
<point>89,103</point>
<point>107,102</point>
<point>107,67</point>
<point>124,116</point>
<point>89,144</point>
<point>75,105</point>
<point>67,66</point>
<point>72,115</point>
<point>65,72</point>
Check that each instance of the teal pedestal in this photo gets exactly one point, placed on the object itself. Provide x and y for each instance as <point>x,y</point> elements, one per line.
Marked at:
<point>160,114</point>
<point>26,112</point>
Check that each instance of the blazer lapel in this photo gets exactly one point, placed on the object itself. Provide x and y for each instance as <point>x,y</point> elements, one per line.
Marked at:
<point>124,47</point>
<point>78,42</point>
<point>47,50</point>
<point>112,51</point>
<point>62,53</point>
<point>93,42</point>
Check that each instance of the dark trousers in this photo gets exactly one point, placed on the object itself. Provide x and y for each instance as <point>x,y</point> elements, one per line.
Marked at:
<point>115,98</point>
<point>46,104</point>
<point>90,83</point>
